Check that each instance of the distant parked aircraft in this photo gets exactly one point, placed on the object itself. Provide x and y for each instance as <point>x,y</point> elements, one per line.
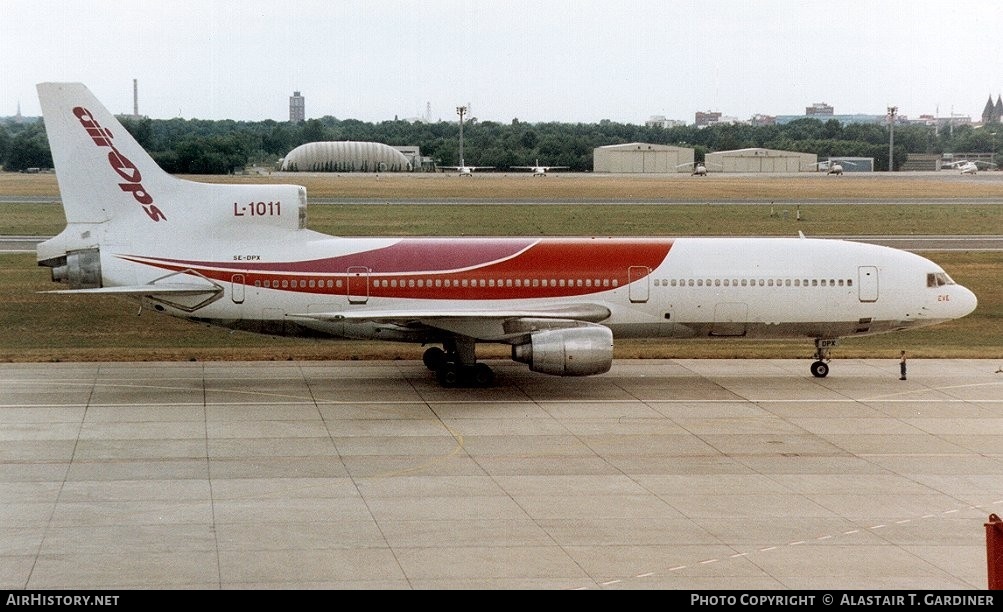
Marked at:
<point>538,170</point>
<point>970,167</point>
<point>699,168</point>
<point>834,166</point>
<point>465,170</point>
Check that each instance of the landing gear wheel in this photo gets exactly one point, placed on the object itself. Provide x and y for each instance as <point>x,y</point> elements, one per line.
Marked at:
<point>819,369</point>
<point>483,375</point>
<point>449,375</point>
<point>434,358</point>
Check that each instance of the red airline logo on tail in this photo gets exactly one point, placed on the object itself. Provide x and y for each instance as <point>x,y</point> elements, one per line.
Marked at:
<point>121,164</point>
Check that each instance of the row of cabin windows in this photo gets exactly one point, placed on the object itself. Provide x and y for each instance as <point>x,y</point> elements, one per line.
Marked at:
<point>754,282</point>
<point>456,282</point>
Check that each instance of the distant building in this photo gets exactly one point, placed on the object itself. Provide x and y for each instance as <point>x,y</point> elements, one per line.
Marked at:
<point>662,122</point>
<point>993,113</point>
<point>708,118</point>
<point>761,160</point>
<point>819,109</point>
<point>641,157</point>
<point>843,119</point>
<point>760,120</point>
<point>297,108</point>
<point>345,156</point>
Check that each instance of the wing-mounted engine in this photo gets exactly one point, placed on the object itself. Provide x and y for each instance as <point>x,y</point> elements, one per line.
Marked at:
<point>576,351</point>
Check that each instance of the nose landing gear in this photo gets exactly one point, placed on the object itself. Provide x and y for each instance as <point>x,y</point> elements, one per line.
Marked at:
<point>820,367</point>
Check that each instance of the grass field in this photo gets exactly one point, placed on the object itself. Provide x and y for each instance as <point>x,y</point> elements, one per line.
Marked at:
<point>40,327</point>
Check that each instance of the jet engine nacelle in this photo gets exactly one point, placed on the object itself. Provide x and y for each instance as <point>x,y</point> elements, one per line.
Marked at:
<point>576,351</point>
<point>82,270</point>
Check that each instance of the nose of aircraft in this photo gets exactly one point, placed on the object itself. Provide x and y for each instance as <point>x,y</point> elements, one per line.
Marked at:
<point>964,302</point>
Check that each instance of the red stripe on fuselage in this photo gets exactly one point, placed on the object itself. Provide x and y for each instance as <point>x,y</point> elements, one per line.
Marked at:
<point>472,269</point>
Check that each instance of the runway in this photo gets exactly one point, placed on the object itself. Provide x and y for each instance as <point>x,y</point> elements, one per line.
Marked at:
<point>662,474</point>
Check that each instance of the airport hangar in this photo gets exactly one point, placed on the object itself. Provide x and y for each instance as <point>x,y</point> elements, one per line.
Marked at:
<point>345,156</point>
<point>639,157</point>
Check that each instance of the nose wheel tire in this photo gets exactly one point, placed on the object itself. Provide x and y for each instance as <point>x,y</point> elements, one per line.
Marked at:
<point>819,369</point>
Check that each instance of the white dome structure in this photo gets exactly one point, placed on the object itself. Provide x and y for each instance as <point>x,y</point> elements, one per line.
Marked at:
<point>345,156</point>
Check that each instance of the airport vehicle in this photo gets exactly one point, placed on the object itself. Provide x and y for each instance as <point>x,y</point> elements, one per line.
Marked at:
<point>240,256</point>
<point>969,166</point>
<point>464,169</point>
<point>539,170</point>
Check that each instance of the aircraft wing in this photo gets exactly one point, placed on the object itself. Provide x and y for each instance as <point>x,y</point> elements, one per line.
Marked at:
<point>493,325</point>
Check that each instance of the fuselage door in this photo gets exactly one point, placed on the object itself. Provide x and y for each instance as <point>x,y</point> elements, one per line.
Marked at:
<point>358,284</point>
<point>237,288</point>
<point>638,283</point>
<point>867,283</point>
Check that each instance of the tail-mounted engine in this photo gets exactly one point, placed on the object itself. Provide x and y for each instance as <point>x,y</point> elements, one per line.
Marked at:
<point>80,269</point>
<point>577,351</point>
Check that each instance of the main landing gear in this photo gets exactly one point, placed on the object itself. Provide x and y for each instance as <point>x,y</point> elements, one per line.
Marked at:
<point>819,369</point>
<point>455,365</point>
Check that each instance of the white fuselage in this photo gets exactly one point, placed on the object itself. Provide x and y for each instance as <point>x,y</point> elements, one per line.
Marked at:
<point>683,287</point>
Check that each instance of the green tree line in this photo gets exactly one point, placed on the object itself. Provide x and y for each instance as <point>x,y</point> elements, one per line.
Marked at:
<point>196,146</point>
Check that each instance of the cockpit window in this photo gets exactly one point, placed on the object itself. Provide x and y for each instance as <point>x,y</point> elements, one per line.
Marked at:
<point>938,279</point>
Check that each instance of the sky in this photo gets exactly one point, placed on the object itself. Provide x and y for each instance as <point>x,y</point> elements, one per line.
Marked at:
<point>573,61</point>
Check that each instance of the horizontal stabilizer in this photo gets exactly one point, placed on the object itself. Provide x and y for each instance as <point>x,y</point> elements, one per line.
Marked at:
<point>161,289</point>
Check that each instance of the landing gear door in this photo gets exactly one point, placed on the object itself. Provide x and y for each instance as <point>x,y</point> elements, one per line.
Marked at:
<point>358,285</point>
<point>867,283</point>
<point>637,277</point>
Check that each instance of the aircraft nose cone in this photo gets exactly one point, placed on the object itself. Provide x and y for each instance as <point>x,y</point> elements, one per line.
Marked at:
<point>966,302</point>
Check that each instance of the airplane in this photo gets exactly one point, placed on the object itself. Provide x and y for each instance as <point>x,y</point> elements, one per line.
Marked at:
<point>464,169</point>
<point>970,167</point>
<point>539,170</point>
<point>699,168</point>
<point>241,257</point>
<point>833,166</point>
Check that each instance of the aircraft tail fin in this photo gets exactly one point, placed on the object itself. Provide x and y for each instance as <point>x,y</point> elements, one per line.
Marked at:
<point>113,192</point>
